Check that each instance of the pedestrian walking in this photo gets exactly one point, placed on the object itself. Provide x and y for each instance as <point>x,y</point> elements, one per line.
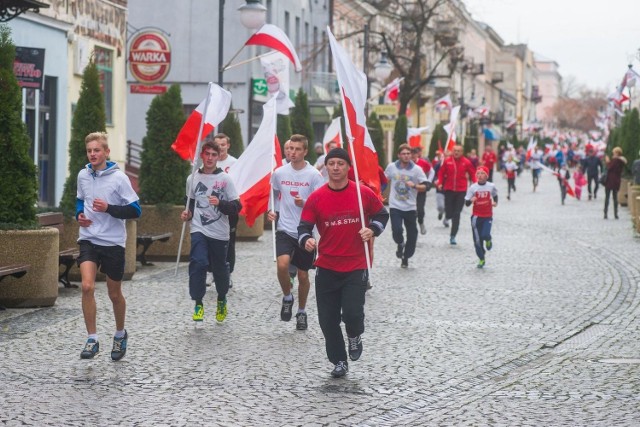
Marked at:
<point>437,163</point>
<point>563,180</point>
<point>212,198</point>
<point>615,167</point>
<point>484,197</point>
<point>421,199</point>
<point>535,162</point>
<point>579,181</point>
<point>489,160</point>
<point>105,199</point>
<point>292,185</point>
<point>406,179</point>
<point>511,170</point>
<point>592,165</point>
<point>453,178</point>
<point>341,267</point>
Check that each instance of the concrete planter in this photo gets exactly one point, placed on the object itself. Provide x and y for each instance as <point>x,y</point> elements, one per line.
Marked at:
<point>69,239</point>
<point>162,219</point>
<point>246,233</point>
<point>633,194</point>
<point>39,249</point>
<point>623,192</point>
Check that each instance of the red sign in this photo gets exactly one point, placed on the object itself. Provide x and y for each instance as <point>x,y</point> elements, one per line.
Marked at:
<point>149,57</point>
<point>148,89</point>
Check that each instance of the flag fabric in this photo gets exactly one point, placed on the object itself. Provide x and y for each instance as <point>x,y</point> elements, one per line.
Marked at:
<point>564,180</point>
<point>629,79</point>
<point>414,136</point>
<point>353,87</point>
<point>276,73</point>
<point>451,129</point>
<point>332,134</point>
<point>482,110</point>
<point>251,173</point>
<point>531,147</point>
<point>274,38</point>
<point>392,90</point>
<point>444,103</point>
<point>187,140</point>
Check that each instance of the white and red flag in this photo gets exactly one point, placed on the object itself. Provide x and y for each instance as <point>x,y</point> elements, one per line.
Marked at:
<point>392,90</point>
<point>274,38</point>
<point>332,134</point>
<point>276,74</point>
<point>444,103</point>
<point>207,115</point>
<point>251,173</point>
<point>617,97</point>
<point>414,136</point>
<point>451,129</point>
<point>353,88</point>
<point>629,79</point>
<point>531,148</point>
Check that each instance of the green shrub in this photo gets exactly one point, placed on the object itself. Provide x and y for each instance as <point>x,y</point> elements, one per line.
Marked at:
<point>438,139</point>
<point>18,192</point>
<point>162,172</point>
<point>230,126</point>
<point>283,130</point>
<point>399,133</point>
<point>301,123</point>
<point>377,137</point>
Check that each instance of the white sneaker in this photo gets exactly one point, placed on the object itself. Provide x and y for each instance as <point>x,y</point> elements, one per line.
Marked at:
<point>423,229</point>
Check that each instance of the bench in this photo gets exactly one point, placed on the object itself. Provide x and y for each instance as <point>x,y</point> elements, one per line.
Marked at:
<point>146,240</point>
<point>67,258</point>
<point>15,270</point>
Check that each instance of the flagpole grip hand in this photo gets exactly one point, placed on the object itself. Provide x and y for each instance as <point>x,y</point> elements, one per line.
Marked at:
<point>310,244</point>
<point>366,234</point>
<point>272,216</point>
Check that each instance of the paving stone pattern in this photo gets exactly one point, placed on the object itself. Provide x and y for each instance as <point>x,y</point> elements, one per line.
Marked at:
<point>517,343</point>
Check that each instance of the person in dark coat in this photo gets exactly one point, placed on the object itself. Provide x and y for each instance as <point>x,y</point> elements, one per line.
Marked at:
<point>615,167</point>
<point>592,166</point>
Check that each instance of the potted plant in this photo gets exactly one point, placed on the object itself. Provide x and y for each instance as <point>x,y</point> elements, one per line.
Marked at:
<point>23,241</point>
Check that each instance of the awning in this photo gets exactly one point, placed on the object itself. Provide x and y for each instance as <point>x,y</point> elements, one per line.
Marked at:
<point>491,134</point>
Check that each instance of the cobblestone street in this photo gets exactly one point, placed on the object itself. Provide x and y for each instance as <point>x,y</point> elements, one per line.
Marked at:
<point>543,335</point>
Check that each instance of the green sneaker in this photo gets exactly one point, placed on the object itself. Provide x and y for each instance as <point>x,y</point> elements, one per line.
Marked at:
<point>221,311</point>
<point>488,245</point>
<point>198,313</point>
<point>481,263</point>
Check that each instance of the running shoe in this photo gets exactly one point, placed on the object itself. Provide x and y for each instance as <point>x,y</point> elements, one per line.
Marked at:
<point>452,241</point>
<point>119,348</point>
<point>301,321</point>
<point>91,349</point>
<point>340,369</point>
<point>423,229</point>
<point>405,263</point>
<point>198,313</point>
<point>480,264</point>
<point>400,250</point>
<point>221,311</point>
<point>488,245</point>
<point>355,348</point>
<point>287,307</point>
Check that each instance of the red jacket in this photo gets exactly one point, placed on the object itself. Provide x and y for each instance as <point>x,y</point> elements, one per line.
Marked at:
<point>453,173</point>
<point>489,159</point>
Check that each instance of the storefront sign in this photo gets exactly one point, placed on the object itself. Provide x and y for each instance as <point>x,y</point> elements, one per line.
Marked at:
<point>389,110</point>
<point>28,67</point>
<point>388,125</point>
<point>148,89</point>
<point>149,57</point>
<point>259,87</point>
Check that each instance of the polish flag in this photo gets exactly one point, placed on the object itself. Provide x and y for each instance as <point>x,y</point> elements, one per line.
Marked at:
<point>444,103</point>
<point>414,136</point>
<point>451,129</point>
<point>531,147</point>
<point>564,180</point>
<point>251,173</point>
<point>353,88</point>
<point>274,38</point>
<point>332,134</point>
<point>209,113</point>
<point>393,89</point>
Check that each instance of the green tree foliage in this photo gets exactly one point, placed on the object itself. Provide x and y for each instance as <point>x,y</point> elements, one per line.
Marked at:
<point>337,112</point>
<point>439,138</point>
<point>162,172</point>
<point>283,130</point>
<point>88,117</point>
<point>627,137</point>
<point>230,126</point>
<point>18,192</point>
<point>301,123</point>
<point>377,137</point>
<point>399,133</point>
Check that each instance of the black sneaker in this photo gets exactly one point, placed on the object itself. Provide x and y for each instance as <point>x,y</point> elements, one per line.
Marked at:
<point>285,311</point>
<point>404,263</point>
<point>355,348</point>
<point>119,347</point>
<point>91,349</point>
<point>340,370</point>
<point>400,250</point>
<point>301,321</point>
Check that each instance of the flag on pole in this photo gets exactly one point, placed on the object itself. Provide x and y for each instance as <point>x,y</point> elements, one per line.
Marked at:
<point>217,109</point>
<point>451,129</point>
<point>332,134</point>
<point>251,173</point>
<point>392,90</point>
<point>531,147</point>
<point>274,38</point>
<point>444,103</point>
<point>414,136</point>
<point>276,73</point>
<point>353,87</point>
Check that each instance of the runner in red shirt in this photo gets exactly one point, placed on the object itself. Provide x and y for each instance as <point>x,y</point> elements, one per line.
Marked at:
<point>484,196</point>
<point>341,275</point>
<point>489,160</point>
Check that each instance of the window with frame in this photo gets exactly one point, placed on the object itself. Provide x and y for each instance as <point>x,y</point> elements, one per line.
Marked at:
<point>104,63</point>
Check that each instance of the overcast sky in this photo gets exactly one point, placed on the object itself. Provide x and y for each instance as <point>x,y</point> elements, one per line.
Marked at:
<point>591,40</point>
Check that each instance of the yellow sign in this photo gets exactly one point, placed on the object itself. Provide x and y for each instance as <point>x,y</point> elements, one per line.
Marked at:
<point>386,110</point>
<point>388,125</point>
